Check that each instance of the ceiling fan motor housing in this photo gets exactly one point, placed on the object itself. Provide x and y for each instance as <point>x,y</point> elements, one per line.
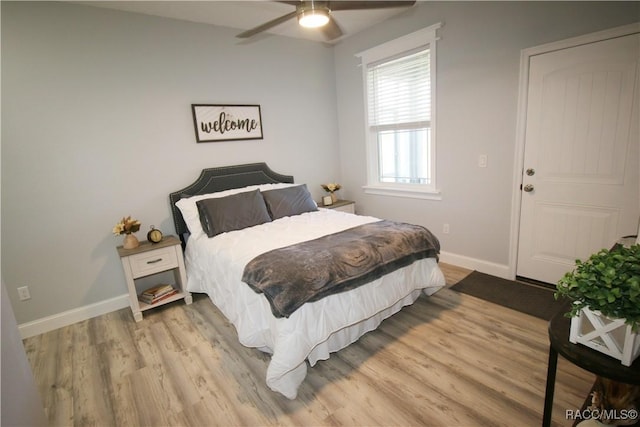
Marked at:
<point>319,14</point>
<point>312,14</point>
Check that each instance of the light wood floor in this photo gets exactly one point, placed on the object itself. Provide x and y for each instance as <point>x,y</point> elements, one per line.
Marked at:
<point>448,360</point>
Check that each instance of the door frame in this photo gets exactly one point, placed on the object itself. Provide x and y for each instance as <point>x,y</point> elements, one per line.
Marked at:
<point>521,122</point>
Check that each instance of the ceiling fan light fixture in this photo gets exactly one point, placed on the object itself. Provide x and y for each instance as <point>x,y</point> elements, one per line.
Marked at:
<point>313,17</point>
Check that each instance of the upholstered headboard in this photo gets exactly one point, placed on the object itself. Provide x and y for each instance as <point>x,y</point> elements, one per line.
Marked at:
<point>219,179</point>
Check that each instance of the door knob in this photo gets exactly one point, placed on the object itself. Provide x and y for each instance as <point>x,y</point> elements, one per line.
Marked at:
<point>528,188</point>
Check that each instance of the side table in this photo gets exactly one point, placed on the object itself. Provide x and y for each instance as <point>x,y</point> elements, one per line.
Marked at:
<point>153,258</point>
<point>348,206</point>
<point>582,356</point>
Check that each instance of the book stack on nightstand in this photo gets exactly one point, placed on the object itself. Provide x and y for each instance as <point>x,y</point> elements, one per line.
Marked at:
<point>157,293</point>
<point>149,259</point>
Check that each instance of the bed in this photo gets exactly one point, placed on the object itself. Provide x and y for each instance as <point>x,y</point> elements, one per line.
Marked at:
<point>218,259</point>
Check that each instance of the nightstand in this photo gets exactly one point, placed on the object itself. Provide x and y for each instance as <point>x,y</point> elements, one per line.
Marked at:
<point>149,259</point>
<point>348,206</point>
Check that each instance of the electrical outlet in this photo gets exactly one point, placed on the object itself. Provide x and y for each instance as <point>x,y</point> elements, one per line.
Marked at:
<point>445,228</point>
<point>482,161</point>
<point>23,293</point>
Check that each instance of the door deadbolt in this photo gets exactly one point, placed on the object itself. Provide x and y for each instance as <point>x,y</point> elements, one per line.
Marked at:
<point>531,172</point>
<point>528,188</point>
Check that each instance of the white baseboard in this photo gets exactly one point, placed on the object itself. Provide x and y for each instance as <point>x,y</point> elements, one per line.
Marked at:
<point>499,270</point>
<point>70,317</point>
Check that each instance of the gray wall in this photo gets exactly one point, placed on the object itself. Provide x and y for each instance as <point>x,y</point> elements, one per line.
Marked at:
<point>478,59</point>
<point>97,124</point>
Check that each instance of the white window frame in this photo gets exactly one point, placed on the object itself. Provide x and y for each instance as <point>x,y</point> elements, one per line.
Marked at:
<point>392,49</point>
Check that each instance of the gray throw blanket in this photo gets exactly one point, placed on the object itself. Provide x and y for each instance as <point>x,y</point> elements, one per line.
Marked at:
<point>309,271</point>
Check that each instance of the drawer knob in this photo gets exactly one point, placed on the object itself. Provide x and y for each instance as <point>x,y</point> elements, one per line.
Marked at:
<point>154,261</point>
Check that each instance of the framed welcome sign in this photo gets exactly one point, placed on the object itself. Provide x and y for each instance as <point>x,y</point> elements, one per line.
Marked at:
<point>226,122</point>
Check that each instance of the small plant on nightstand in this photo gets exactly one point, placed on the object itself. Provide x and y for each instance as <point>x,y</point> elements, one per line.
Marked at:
<point>128,226</point>
<point>331,188</point>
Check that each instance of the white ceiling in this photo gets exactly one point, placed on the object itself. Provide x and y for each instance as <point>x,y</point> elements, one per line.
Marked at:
<point>244,15</point>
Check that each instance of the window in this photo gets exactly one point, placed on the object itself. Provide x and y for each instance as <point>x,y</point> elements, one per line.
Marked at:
<point>399,81</point>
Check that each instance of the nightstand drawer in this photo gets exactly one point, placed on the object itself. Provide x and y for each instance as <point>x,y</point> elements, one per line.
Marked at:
<point>154,261</point>
<point>350,208</point>
<point>343,206</point>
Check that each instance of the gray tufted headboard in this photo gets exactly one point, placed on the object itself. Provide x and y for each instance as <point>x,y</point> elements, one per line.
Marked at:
<point>220,179</point>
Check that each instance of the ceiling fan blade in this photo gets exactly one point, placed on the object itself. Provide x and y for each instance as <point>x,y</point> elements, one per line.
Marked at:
<point>359,5</point>
<point>267,25</point>
<point>331,30</point>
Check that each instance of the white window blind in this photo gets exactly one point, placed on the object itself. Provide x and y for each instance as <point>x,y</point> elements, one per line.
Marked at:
<point>399,93</point>
<point>399,80</point>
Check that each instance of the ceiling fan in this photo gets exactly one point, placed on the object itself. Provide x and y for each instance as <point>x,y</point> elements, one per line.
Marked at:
<point>317,14</point>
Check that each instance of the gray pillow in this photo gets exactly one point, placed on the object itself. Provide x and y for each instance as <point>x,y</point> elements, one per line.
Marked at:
<point>289,201</point>
<point>234,212</point>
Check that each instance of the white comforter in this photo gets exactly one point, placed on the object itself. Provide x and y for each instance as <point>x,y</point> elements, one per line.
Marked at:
<point>215,266</point>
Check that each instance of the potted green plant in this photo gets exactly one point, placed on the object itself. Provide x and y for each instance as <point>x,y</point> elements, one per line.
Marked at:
<point>605,295</point>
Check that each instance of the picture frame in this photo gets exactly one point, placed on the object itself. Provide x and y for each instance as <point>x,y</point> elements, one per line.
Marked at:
<point>225,122</point>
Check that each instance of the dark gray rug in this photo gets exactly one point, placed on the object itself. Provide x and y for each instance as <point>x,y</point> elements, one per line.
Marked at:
<point>525,298</point>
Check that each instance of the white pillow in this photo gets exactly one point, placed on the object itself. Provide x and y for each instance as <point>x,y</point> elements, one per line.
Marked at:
<point>189,209</point>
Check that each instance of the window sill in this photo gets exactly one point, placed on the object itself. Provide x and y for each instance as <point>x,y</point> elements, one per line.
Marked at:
<point>411,193</point>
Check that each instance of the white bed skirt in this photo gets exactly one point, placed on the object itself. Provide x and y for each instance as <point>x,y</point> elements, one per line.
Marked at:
<point>289,383</point>
<point>315,330</point>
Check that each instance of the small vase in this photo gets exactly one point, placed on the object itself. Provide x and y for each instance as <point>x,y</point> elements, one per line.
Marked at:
<point>334,198</point>
<point>130,241</point>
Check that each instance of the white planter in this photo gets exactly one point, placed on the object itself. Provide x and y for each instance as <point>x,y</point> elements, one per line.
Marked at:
<point>609,336</point>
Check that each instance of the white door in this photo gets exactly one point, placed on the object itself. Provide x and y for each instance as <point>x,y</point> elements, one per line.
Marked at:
<point>581,155</point>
